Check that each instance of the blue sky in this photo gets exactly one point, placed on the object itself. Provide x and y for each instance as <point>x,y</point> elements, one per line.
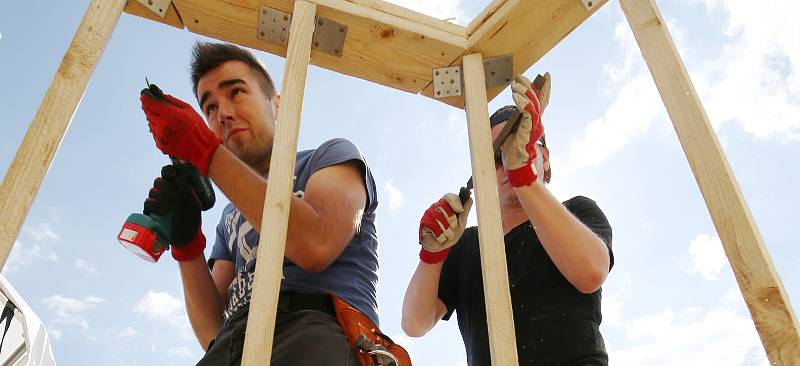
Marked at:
<point>670,299</point>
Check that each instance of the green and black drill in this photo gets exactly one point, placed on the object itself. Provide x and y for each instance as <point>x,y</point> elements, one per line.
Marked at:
<point>148,236</point>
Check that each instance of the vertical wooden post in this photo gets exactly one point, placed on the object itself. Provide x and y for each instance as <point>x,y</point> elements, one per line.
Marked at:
<point>759,282</point>
<point>274,222</point>
<point>499,316</point>
<point>33,158</point>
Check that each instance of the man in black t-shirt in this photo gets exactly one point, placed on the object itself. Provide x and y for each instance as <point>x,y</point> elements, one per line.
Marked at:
<point>558,255</point>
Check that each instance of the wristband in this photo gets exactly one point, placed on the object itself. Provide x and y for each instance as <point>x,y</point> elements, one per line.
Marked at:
<point>191,250</point>
<point>433,257</point>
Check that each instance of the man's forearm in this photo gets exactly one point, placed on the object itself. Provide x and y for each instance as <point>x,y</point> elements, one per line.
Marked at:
<point>579,254</point>
<point>421,303</point>
<point>203,304</point>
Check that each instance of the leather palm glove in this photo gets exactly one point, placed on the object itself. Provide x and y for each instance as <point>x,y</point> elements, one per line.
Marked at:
<point>441,226</point>
<point>172,195</point>
<point>179,131</point>
<point>521,155</point>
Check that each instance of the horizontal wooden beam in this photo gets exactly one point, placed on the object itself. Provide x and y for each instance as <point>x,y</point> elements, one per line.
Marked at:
<point>523,28</point>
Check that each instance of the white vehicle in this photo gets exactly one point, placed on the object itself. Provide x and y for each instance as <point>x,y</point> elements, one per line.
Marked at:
<point>24,339</point>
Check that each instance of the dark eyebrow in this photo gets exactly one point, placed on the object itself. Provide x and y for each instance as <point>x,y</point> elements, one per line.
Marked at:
<point>222,84</point>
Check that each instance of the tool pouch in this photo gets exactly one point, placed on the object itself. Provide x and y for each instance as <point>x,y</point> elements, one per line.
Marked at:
<point>373,348</point>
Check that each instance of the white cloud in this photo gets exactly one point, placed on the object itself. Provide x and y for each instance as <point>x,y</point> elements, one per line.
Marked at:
<point>633,109</point>
<point>127,332</point>
<point>755,81</point>
<point>72,311</point>
<point>182,352</point>
<point>55,334</point>
<point>84,266</point>
<point>689,337</point>
<point>708,257</point>
<point>442,9</point>
<point>163,307</point>
<point>38,246</point>
<point>396,198</point>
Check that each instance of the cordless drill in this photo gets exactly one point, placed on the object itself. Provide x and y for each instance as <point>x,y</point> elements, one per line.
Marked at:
<point>148,236</point>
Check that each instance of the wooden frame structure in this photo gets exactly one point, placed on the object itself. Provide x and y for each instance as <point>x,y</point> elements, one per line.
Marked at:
<point>397,47</point>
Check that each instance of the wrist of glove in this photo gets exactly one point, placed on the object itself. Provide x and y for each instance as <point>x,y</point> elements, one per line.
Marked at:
<point>190,250</point>
<point>173,198</point>
<point>179,131</point>
<point>522,157</point>
<point>441,227</point>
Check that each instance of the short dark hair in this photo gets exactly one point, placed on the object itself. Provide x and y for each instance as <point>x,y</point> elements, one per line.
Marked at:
<point>207,56</point>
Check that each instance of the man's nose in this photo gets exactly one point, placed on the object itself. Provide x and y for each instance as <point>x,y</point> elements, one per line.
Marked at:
<point>225,113</point>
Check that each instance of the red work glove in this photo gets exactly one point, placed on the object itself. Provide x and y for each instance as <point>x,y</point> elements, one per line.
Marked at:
<point>520,150</point>
<point>441,226</point>
<point>179,131</point>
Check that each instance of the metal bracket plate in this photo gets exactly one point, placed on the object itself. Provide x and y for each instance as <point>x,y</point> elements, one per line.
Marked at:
<point>328,36</point>
<point>159,7</point>
<point>589,4</point>
<point>447,82</point>
<point>498,70</point>
<point>273,25</point>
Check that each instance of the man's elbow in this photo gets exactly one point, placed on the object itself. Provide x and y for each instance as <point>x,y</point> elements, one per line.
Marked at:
<point>412,330</point>
<point>591,281</point>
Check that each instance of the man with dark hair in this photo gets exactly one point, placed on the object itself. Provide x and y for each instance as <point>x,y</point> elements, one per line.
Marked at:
<point>331,243</point>
<point>558,255</point>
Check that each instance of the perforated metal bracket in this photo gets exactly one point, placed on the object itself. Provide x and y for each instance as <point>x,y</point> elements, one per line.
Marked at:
<point>498,70</point>
<point>589,4</point>
<point>273,27</point>
<point>328,36</point>
<point>159,7</point>
<point>448,81</point>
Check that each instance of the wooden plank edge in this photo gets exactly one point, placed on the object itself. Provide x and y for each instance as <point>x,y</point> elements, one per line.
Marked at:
<point>172,18</point>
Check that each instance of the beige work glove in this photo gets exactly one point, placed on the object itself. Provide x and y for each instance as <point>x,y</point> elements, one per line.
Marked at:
<point>441,226</point>
<point>522,157</point>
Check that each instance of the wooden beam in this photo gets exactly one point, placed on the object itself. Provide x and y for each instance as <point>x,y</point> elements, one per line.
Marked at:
<point>33,158</point>
<point>526,29</point>
<point>171,18</point>
<point>381,47</point>
<point>499,316</point>
<point>758,280</point>
<point>275,219</point>
<point>399,11</point>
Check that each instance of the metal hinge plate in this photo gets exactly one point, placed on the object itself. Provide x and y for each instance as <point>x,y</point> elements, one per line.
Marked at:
<point>159,7</point>
<point>589,4</point>
<point>448,81</point>
<point>273,27</point>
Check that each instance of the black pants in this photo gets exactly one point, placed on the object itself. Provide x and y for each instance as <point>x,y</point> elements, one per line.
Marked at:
<point>304,337</point>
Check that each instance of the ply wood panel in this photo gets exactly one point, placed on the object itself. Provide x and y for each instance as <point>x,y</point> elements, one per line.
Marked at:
<point>171,18</point>
<point>499,316</point>
<point>380,47</point>
<point>755,273</point>
<point>275,218</point>
<point>32,160</point>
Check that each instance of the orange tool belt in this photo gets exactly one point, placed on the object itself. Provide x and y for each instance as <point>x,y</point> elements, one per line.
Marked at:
<point>373,348</point>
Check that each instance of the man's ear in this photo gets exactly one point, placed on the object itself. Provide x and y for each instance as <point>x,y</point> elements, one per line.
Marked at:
<point>275,103</point>
<point>546,164</point>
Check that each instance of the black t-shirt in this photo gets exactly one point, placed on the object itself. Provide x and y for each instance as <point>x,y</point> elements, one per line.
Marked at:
<point>555,323</point>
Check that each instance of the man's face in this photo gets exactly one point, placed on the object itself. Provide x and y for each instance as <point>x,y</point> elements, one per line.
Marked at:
<point>239,112</point>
